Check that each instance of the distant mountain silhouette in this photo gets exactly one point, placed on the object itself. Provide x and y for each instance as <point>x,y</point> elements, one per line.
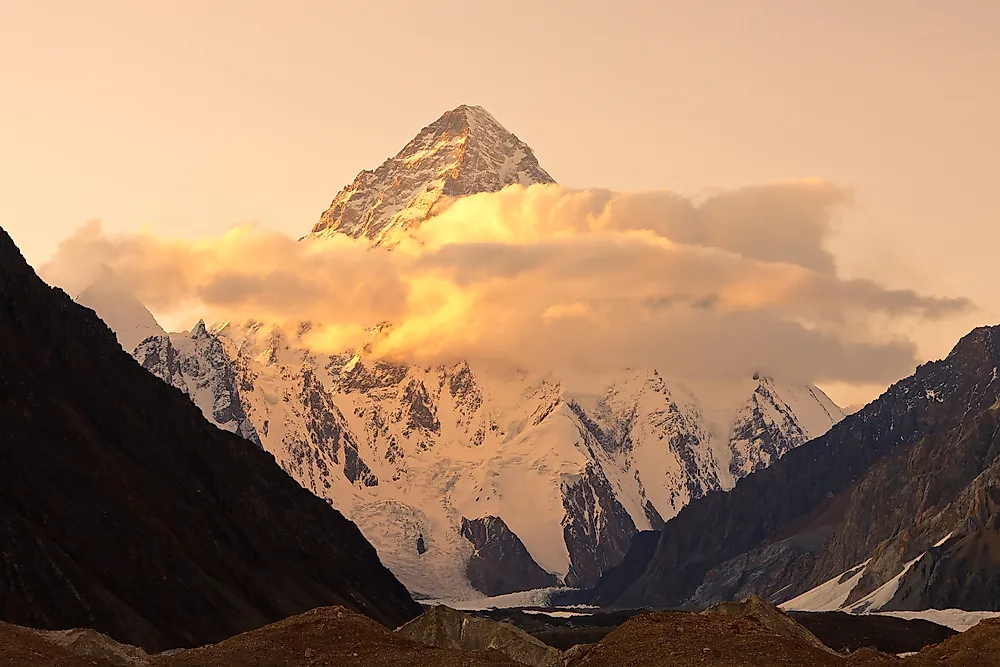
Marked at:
<point>122,509</point>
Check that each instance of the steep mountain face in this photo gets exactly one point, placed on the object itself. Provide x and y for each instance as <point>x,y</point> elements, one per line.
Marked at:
<point>412,453</point>
<point>122,509</point>
<point>500,564</point>
<point>196,364</point>
<point>933,544</point>
<point>774,421</point>
<point>849,514</point>
<point>463,152</point>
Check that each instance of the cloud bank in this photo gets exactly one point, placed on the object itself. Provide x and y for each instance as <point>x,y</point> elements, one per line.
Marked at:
<point>577,281</point>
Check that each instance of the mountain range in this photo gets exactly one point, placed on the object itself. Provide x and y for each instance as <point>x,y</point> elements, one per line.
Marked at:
<point>471,479</point>
<point>175,489</point>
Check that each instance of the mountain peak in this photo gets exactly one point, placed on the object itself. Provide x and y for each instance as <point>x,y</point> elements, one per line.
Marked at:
<point>466,151</point>
<point>119,308</point>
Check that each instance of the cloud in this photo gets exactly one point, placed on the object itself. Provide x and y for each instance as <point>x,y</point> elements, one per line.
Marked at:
<point>581,281</point>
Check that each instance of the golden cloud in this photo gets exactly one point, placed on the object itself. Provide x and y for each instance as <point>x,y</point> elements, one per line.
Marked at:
<point>550,278</point>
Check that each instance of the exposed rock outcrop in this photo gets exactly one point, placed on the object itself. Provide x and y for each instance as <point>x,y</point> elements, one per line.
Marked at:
<point>500,564</point>
<point>771,618</point>
<point>449,629</point>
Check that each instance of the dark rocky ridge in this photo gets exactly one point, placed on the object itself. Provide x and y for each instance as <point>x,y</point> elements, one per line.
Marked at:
<point>805,496</point>
<point>898,511</point>
<point>964,574</point>
<point>447,628</point>
<point>123,510</point>
<point>597,528</point>
<point>500,563</point>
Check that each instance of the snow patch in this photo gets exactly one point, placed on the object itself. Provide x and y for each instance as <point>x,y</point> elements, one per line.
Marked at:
<point>830,595</point>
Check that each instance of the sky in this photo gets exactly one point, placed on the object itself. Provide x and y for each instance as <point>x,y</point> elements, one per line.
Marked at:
<point>187,118</point>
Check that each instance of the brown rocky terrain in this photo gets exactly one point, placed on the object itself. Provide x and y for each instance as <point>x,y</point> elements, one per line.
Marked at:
<point>447,628</point>
<point>977,647</point>
<point>771,618</point>
<point>665,639</point>
<point>734,636</point>
<point>328,637</point>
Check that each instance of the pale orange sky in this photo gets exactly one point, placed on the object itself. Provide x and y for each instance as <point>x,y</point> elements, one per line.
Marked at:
<point>193,116</point>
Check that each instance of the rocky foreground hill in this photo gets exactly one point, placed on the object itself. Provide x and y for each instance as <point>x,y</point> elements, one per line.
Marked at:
<point>748,635</point>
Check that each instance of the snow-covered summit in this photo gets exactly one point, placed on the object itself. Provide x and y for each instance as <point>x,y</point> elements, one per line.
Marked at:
<point>465,151</point>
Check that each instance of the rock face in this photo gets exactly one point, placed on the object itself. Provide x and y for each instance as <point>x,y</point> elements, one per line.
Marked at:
<point>122,509</point>
<point>446,628</point>
<point>463,152</point>
<point>500,564</point>
<point>962,574</point>
<point>858,518</point>
<point>596,528</point>
<point>196,364</point>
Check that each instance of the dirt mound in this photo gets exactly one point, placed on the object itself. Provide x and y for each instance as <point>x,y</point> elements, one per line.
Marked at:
<point>771,618</point>
<point>976,647</point>
<point>444,627</point>
<point>95,646</point>
<point>327,637</point>
<point>665,639</point>
<point>26,647</point>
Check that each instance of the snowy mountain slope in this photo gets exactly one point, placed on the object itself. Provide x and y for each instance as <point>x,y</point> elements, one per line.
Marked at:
<point>197,364</point>
<point>463,152</point>
<point>121,311</point>
<point>775,420</point>
<point>412,454</point>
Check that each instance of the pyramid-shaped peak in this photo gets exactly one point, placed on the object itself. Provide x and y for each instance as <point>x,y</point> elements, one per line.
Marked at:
<point>475,117</point>
<point>199,330</point>
<point>465,151</point>
<point>455,128</point>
